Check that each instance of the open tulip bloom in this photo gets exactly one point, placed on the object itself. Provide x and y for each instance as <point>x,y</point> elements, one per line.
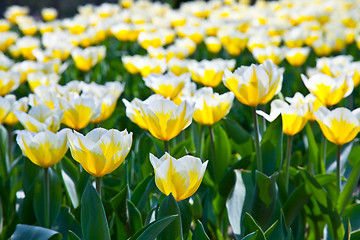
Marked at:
<point>329,90</point>
<point>181,177</point>
<point>100,151</point>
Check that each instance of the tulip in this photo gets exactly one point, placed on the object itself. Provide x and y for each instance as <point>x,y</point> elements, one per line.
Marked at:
<point>19,105</point>
<point>100,151</point>
<point>339,126</point>
<point>43,149</point>
<point>79,110</point>
<point>211,107</point>
<point>6,106</point>
<point>274,53</point>
<point>9,81</point>
<point>297,56</point>
<point>180,177</point>
<point>167,85</point>
<point>49,14</point>
<point>252,86</point>
<point>294,117</point>
<point>5,62</point>
<point>36,79</point>
<point>310,100</point>
<point>164,119</point>
<point>327,89</point>
<point>40,118</point>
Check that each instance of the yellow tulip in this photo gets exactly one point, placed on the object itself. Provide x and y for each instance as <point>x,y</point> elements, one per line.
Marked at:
<point>297,56</point>
<point>274,53</point>
<point>4,25</point>
<point>256,84</point>
<point>310,100</point>
<point>177,66</point>
<point>327,89</point>
<point>180,177</point>
<point>9,81</point>
<point>36,79</point>
<point>6,106</point>
<point>101,151</point>
<point>340,125</point>
<point>49,14</point>
<point>40,118</point>
<point>19,105</point>
<point>5,62</point>
<point>79,110</point>
<point>294,116</point>
<point>210,73</point>
<point>211,107</point>
<point>164,119</point>
<point>213,44</point>
<point>13,12</point>
<point>84,59</point>
<point>167,85</point>
<point>44,148</point>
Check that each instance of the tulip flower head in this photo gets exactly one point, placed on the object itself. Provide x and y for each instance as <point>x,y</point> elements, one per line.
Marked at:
<point>6,106</point>
<point>164,119</point>
<point>9,81</point>
<point>294,116</point>
<point>327,89</point>
<point>40,118</point>
<point>340,125</point>
<point>168,85</point>
<point>297,56</point>
<point>256,84</point>
<point>100,151</point>
<point>211,107</point>
<point>19,105</point>
<point>181,177</point>
<point>43,148</point>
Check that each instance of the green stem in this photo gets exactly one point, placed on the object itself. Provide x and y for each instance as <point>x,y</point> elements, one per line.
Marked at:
<point>262,120</point>
<point>201,141</point>
<point>324,154</point>
<point>47,197</point>
<point>212,139</point>
<point>257,140</point>
<point>98,185</point>
<point>287,161</point>
<point>167,147</point>
<point>338,177</point>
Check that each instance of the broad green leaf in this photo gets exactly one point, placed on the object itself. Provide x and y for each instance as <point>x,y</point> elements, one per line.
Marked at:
<point>34,233</point>
<point>152,230</point>
<point>134,217</point>
<point>252,226</point>
<point>271,147</point>
<point>265,196</point>
<point>66,222</point>
<point>348,189</point>
<point>355,235</point>
<point>313,151</point>
<point>251,236</point>
<point>295,204</point>
<point>72,236</point>
<point>70,175</point>
<point>168,207</point>
<point>94,225</point>
<point>142,191</point>
<point>352,213</point>
<point>118,204</point>
<point>217,167</point>
<point>186,216</point>
<point>270,229</point>
<point>55,194</point>
<point>199,232</point>
<point>4,151</point>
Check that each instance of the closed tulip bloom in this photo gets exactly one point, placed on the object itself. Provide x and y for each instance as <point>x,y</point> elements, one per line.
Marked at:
<point>210,73</point>
<point>168,85</point>
<point>49,14</point>
<point>211,107</point>
<point>101,151</point>
<point>40,118</point>
<point>256,84</point>
<point>294,116</point>
<point>180,177</point>
<point>36,79</point>
<point>6,106</point>
<point>79,110</point>
<point>276,54</point>
<point>133,109</point>
<point>9,81</point>
<point>108,104</point>
<point>164,119</point>
<point>329,90</point>
<point>44,148</point>
<point>340,125</point>
<point>19,105</point>
<point>297,56</point>
<point>310,99</point>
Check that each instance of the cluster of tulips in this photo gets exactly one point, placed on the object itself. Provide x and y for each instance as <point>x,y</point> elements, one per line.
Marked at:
<point>198,62</point>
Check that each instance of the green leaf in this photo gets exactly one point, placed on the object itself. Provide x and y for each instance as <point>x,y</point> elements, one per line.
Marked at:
<point>34,233</point>
<point>355,235</point>
<point>55,194</point>
<point>152,230</point>
<point>265,196</point>
<point>70,175</point>
<point>271,147</point>
<point>313,150</point>
<point>118,204</point>
<point>4,151</point>
<point>72,236</point>
<point>329,212</point>
<point>66,222</point>
<point>252,226</point>
<point>295,204</point>
<point>168,207</point>
<point>270,229</point>
<point>348,189</point>
<point>199,232</point>
<point>142,191</point>
<point>94,225</point>
<point>134,217</point>
<point>251,236</point>
<point>222,160</point>
<point>186,216</point>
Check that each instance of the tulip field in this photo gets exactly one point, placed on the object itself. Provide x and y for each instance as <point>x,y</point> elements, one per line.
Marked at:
<point>212,120</point>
